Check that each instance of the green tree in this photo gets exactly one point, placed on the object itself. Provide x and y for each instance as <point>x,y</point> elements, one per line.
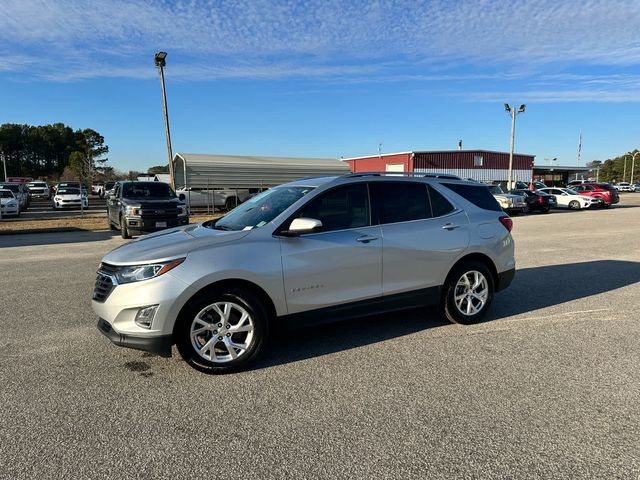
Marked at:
<point>158,169</point>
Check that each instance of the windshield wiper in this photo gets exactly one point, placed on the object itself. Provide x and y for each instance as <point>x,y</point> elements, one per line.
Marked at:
<point>222,227</point>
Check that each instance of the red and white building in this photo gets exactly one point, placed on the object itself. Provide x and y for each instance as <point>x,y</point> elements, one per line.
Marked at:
<point>481,165</point>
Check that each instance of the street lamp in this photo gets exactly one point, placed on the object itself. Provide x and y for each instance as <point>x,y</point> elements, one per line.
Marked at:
<point>513,112</point>
<point>160,61</point>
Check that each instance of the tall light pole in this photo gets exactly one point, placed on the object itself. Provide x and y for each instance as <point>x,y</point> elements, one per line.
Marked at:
<point>4,164</point>
<point>624,173</point>
<point>160,60</point>
<point>633,165</point>
<point>513,112</point>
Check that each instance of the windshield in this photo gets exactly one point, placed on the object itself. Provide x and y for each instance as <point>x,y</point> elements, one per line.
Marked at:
<point>68,191</point>
<point>261,209</point>
<point>6,194</point>
<point>37,185</point>
<point>495,190</point>
<point>147,190</point>
<point>570,191</point>
<point>14,188</point>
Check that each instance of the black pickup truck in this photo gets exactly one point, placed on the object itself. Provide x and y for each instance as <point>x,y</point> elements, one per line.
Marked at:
<point>139,207</point>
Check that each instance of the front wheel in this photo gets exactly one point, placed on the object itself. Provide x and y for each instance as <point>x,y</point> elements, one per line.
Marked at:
<point>124,231</point>
<point>468,292</point>
<point>221,332</point>
<point>574,205</point>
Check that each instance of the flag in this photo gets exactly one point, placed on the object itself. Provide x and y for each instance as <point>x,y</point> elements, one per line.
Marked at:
<point>580,148</point>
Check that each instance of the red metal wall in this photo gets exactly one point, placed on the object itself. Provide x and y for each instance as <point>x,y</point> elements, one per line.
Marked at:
<point>464,159</point>
<point>379,163</point>
<point>451,159</point>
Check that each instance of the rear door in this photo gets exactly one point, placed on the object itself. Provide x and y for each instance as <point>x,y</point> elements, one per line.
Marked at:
<point>422,235</point>
<point>340,264</point>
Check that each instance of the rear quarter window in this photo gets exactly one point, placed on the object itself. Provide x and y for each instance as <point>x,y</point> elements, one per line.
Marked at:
<point>479,195</point>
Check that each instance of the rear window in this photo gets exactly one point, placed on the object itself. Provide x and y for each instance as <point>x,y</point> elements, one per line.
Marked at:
<point>479,195</point>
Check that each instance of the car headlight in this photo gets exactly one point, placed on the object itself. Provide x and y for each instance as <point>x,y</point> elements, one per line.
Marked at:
<point>133,211</point>
<point>57,198</point>
<point>138,273</point>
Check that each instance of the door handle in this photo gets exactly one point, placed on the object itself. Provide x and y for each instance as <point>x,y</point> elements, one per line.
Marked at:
<point>450,226</point>
<point>366,239</point>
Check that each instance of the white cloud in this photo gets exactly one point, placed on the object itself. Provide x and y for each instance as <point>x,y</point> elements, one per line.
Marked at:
<point>78,39</point>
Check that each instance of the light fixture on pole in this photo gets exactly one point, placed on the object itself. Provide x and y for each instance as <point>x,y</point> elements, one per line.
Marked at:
<point>160,61</point>
<point>513,112</point>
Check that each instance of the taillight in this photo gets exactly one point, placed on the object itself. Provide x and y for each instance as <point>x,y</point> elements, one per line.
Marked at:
<point>540,199</point>
<point>506,222</point>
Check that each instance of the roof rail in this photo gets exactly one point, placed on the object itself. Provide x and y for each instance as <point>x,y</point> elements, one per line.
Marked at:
<point>449,176</point>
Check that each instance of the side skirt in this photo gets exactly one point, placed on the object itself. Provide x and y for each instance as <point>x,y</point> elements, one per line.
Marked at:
<point>364,308</point>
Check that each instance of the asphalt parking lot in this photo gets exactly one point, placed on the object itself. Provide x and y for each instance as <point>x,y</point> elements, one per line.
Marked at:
<point>549,387</point>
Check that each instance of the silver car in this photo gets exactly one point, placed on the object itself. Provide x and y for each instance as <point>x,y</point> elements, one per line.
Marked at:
<point>316,249</point>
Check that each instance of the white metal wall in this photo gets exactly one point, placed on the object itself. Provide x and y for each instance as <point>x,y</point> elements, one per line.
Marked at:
<point>482,174</point>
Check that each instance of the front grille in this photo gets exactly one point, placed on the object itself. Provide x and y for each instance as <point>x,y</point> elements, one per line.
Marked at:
<point>161,210</point>
<point>104,285</point>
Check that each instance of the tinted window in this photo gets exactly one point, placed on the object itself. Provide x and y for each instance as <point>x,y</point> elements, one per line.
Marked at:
<point>341,208</point>
<point>441,206</point>
<point>401,201</point>
<point>479,195</point>
<point>147,189</point>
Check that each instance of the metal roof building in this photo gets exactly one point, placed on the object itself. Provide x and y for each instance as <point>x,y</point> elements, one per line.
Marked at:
<point>237,171</point>
<point>481,165</point>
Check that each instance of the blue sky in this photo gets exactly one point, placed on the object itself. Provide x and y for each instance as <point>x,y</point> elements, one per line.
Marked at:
<point>327,78</point>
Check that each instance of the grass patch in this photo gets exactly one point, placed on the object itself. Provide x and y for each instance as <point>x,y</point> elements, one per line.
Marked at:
<point>70,224</point>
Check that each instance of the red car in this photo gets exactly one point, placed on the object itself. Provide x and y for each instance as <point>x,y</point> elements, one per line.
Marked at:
<point>605,193</point>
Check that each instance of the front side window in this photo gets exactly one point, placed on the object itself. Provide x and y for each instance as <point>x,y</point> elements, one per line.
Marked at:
<point>401,202</point>
<point>341,208</point>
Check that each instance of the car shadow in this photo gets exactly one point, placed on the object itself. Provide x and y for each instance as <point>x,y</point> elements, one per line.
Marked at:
<point>532,289</point>
<point>52,238</point>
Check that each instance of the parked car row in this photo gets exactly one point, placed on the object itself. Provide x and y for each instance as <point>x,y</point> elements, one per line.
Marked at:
<point>525,199</point>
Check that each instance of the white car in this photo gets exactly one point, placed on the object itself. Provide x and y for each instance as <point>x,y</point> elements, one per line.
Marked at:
<point>69,197</point>
<point>571,199</point>
<point>624,187</point>
<point>9,204</point>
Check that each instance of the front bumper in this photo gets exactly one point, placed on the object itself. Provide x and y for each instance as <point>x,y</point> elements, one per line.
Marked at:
<point>145,225</point>
<point>160,345</point>
<point>10,210</point>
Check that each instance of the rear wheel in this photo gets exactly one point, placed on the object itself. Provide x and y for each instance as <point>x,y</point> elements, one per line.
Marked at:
<point>468,292</point>
<point>545,210</point>
<point>222,331</point>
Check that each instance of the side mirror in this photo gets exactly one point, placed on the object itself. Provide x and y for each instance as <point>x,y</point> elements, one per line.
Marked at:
<point>181,197</point>
<point>302,225</point>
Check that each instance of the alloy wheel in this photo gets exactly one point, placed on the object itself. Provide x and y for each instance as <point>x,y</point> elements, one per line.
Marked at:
<point>222,332</point>
<point>471,293</point>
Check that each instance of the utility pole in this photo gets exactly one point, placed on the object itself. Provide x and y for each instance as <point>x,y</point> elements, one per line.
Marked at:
<point>633,166</point>
<point>4,163</point>
<point>160,61</point>
<point>513,113</point>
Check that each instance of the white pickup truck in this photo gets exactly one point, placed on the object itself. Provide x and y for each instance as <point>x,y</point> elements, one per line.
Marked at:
<point>223,199</point>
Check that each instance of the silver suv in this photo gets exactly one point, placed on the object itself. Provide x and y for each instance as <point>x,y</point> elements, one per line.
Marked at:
<point>322,248</point>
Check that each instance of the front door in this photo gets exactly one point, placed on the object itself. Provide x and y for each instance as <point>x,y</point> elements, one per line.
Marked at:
<point>340,264</point>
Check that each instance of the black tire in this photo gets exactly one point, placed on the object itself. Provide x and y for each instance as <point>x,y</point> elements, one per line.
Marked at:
<point>606,205</point>
<point>545,210</point>
<point>111,227</point>
<point>124,232</point>
<point>230,203</point>
<point>574,205</point>
<point>447,305</point>
<point>258,316</point>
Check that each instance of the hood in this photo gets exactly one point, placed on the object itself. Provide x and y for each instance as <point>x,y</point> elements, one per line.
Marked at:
<point>70,196</point>
<point>7,200</point>
<point>169,244</point>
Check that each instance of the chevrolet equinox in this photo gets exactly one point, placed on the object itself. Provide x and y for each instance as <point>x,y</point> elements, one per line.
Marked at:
<point>320,248</point>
